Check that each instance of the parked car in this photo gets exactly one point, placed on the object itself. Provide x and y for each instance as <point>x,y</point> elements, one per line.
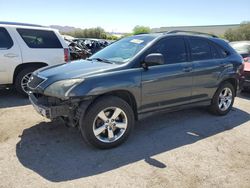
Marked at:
<point>104,94</point>
<point>24,48</point>
<point>243,48</point>
<point>94,45</point>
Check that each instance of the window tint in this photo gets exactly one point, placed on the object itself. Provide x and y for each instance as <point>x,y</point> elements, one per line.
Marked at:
<point>5,39</point>
<point>173,50</point>
<point>200,49</point>
<point>223,53</point>
<point>214,52</point>
<point>39,38</point>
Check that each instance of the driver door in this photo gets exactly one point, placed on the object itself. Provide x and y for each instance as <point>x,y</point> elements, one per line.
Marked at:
<point>169,84</point>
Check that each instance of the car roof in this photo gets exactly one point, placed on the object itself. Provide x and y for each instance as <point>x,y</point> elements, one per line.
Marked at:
<point>25,25</point>
<point>181,33</point>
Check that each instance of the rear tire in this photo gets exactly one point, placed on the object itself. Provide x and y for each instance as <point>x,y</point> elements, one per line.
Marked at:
<point>107,123</point>
<point>22,80</point>
<point>223,99</point>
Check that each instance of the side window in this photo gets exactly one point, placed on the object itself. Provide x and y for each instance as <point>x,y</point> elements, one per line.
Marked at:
<point>215,52</point>
<point>173,50</point>
<point>223,53</point>
<point>5,39</point>
<point>39,38</point>
<point>200,49</point>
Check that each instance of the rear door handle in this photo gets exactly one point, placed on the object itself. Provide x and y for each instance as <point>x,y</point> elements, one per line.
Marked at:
<point>187,69</point>
<point>223,64</point>
<point>10,55</point>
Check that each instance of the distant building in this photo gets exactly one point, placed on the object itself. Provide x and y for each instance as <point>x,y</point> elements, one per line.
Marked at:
<point>212,29</point>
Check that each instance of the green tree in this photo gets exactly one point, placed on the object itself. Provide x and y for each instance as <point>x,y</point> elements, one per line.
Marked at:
<point>97,32</point>
<point>242,33</point>
<point>141,30</point>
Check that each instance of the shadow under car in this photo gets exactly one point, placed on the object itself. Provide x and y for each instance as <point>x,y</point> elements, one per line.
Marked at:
<point>58,153</point>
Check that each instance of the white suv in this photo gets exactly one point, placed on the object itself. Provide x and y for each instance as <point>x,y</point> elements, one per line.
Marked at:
<point>25,48</point>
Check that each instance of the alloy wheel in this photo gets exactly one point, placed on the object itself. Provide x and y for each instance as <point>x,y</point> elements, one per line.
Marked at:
<point>110,124</point>
<point>24,82</point>
<point>225,99</point>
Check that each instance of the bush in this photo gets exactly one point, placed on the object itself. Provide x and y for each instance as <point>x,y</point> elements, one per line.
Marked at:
<point>97,32</point>
<point>242,33</point>
<point>141,30</point>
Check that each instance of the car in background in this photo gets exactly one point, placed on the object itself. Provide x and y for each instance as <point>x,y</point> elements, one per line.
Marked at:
<point>25,48</point>
<point>243,48</point>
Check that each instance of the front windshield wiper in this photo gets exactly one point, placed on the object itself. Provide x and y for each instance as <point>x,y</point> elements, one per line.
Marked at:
<point>100,60</point>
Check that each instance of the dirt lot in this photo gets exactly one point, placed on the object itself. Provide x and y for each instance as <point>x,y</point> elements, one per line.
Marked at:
<point>190,148</point>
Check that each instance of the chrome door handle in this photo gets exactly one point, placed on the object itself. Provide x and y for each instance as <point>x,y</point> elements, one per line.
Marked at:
<point>187,69</point>
<point>10,55</point>
<point>223,64</point>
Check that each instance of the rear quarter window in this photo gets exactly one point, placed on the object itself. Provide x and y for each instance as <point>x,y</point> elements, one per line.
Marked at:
<point>5,39</point>
<point>39,38</point>
<point>200,49</point>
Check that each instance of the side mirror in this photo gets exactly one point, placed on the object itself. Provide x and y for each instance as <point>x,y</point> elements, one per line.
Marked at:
<point>153,59</point>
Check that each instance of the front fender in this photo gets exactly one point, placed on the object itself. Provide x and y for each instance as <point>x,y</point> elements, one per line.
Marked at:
<point>123,80</point>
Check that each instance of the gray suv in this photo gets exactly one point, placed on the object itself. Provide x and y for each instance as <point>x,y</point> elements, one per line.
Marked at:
<point>104,95</point>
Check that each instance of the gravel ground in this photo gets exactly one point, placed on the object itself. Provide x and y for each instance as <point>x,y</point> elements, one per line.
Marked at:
<point>190,148</point>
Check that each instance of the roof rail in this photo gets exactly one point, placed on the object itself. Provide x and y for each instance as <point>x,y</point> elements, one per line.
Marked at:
<point>21,24</point>
<point>191,32</point>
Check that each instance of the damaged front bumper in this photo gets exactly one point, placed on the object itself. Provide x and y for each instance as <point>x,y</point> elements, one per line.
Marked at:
<point>50,108</point>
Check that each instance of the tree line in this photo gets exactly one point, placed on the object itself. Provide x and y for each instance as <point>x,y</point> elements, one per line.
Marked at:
<point>241,33</point>
<point>100,33</point>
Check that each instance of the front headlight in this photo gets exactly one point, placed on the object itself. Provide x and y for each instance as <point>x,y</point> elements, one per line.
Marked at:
<point>61,88</point>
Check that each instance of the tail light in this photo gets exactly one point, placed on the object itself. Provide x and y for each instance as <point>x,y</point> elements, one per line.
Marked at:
<point>66,55</point>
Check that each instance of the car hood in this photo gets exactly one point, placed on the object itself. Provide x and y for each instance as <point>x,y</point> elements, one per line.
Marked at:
<point>75,69</point>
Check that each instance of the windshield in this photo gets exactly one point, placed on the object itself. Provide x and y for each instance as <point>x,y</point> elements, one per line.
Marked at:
<point>124,50</point>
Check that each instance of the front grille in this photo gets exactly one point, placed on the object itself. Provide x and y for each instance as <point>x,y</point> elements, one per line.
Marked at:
<point>35,81</point>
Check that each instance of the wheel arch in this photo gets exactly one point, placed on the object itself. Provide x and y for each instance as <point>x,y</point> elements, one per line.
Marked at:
<point>27,65</point>
<point>123,94</point>
<point>232,81</point>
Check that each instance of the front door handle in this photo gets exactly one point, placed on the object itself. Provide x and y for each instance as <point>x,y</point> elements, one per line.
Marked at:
<point>187,69</point>
<point>10,55</point>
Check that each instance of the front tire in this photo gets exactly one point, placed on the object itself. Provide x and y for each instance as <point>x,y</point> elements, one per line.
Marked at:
<point>107,123</point>
<point>223,99</point>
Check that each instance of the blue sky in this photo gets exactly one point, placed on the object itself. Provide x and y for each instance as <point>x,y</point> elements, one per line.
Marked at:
<point>122,16</point>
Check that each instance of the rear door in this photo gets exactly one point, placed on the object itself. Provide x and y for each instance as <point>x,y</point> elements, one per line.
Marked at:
<point>208,64</point>
<point>169,84</point>
<point>10,56</point>
<point>39,45</point>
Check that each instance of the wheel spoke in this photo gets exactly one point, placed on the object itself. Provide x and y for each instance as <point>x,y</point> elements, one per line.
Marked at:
<point>225,92</point>
<point>121,125</point>
<point>103,116</point>
<point>99,130</point>
<point>220,105</point>
<point>221,96</point>
<point>225,105</point>
<point>26,78</point>
<point>110,134</point>
<point>116,113</point>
